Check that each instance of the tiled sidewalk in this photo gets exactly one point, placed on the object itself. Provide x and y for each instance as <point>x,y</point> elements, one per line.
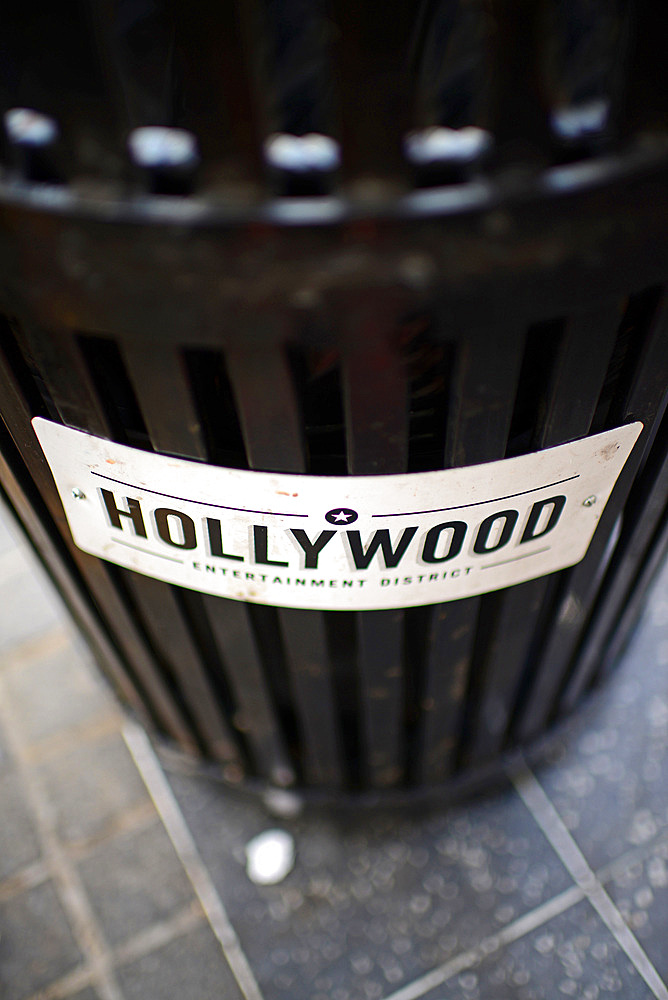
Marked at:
<point>117,881</point>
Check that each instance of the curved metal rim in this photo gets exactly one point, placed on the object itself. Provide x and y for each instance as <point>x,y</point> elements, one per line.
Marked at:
<point>478,194</point>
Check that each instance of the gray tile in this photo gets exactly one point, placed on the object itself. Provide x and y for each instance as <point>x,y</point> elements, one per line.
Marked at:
<point>10,533</point>
<point>641,893</point>
<point>573,955</point>
<point>36,944</point>
<point>54,691</point>
<point>191,967</point>
<point>608,776</point>
<point>134,881</point>
<point>29,605</point>
<point>90,786</point>
<point>379,890</point>
<point>19,845</point>
<point>6,761</point>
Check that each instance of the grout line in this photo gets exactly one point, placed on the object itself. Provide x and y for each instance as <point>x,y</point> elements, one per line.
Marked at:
<point>56,638</point>
<point>159,935</point>
<point>175,824</point>
<point>525,924</point>
<point>72,894</point>
<point>105,722</point>
<point>66,986</point>
<point>24,879</point>
<point>550,822</point>
<point>635,855</point>
<point>132,820</point>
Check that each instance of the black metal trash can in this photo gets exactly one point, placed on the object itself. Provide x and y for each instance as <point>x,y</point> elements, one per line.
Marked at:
<point>450,250</point>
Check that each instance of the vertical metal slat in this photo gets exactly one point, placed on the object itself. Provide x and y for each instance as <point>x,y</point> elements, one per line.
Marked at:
<point>449,643</point>
<point>577,377</point>
<point>376,414</point>
<point>158,375</point>
<point>170,635</point>
<point>645,517</point>
<point>94,572</point>
<point>645,400</point>
<point>63,368</point>
<point>267,407</point>
<point>272,430</point>
<point>482,398</point>
<point>380,656</point>
<point>375,399</point>
<point>255,716</point>
<point>306,651</point>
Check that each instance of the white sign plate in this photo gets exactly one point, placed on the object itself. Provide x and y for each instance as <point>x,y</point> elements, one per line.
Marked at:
<point>335,542</point>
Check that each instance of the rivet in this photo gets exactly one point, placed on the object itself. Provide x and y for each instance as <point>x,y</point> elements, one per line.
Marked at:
<point>78,494</point>
<point>589,502</point>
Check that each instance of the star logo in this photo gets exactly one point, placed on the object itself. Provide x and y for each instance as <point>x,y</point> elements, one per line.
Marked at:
<point>341,516</point>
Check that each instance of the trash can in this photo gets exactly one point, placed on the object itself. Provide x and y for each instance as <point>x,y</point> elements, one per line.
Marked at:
<point>333,366</point>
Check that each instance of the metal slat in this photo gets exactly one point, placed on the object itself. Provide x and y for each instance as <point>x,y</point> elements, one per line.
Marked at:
<point>645,516</point>
<point>578,374</point>
<point>130,641</point>
<point>272,428</point>
<point>255,716</point>
<point>380,657</point>
<point>159,378</point>
<point>482,397</point>
<point>376,414</point>
<point>574,388</point>
<point>61,364</point>
<point>516,615</point>
<point>159,375</point>
<point>371,63</point>
<point>449,643</point>
<point>268,410</point>
<point>307,655</point>
<point>644,400</point>
<point>631,609</point>
<point>375,393</point>
<point>170,635</point>
<point>67,585</point>
<point>94,572</point>
<point>483,392</point>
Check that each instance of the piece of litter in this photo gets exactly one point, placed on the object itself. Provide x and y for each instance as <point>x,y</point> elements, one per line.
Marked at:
<point>269,857</point>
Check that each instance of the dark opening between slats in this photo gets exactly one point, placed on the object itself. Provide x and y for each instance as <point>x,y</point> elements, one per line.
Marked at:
<point>164,697</point>
<point>317,377</point>
<point>429,365</point>
<point>268,638</point>
<point>637,318</point>
<point>115,391</point>
<point>215,406</point>
<point>25,371</point>
<point>342,643</point>
<point>540,353</point>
